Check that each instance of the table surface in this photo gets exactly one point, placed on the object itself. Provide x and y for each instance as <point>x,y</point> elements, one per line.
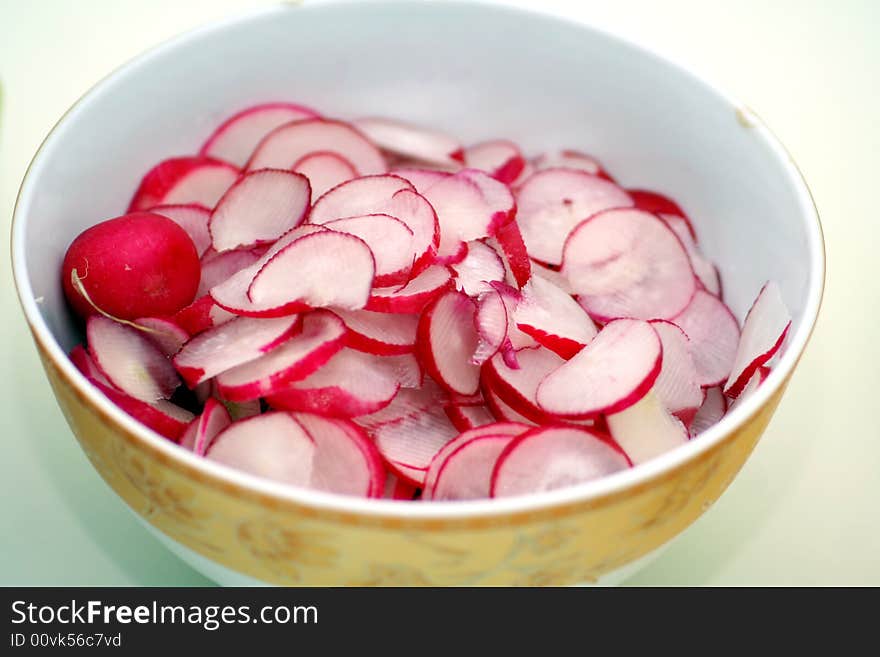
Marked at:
<point>804,509</point>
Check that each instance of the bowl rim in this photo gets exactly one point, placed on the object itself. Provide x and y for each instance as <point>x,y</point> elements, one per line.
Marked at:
<point>220,476</point>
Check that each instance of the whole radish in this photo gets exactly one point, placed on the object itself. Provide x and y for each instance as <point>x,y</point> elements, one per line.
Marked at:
<point>137,265</point>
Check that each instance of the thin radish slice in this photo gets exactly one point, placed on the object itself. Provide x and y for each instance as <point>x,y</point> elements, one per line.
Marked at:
<point>79,356</point>
<point>553,276</point>
<point>553,318</point>
<point>202,431</point>
<point>713,409</point>
<point>410,140</point>
<point>346,461</point>
<point>415,211</point>
<point>322,335</point>
<point>464,418</point>
<point>481,265</point>
<point>364,195</point>
<point>315,271</point>
<point>492,322</point>
<point>242,340</point>
<point>193,218</point>
<point>389,239</point>
<point>259,208</point>
<point>380,333</point>
<point>462,469</point>
<point>406,369</point>
<point>447,340</point>
<point>646,429</point>
<point>287,144</point>
<point>325,170</point>
<point>706,272</point>
<point>272,446</point>
<point>764,330</point>
<point>513,249</point>
<point>517,339</point>
<point>750,388</point>
<point>129,360</point>
<point>609,375</point>
<point>201,315</point>
<point>548,458</point>
<point>518,387</point>
<point>398,489</point>
<point>569,159</point>
<point>550,203</point>
<point>469,205</point>
<point>235,139</point>
<point>184,180</point>
<point>714,334</point>
<point>407,402</point>
<point>500,158</point>
<point>163,417</point>
<point>657,203</point>
<point>164,333</point>
<point>502,411</point>
<point>238,410</point>
<point>420,179</point>
<point>628,263</point>
<point>224,266</point>
<point>678,384</point>
<point>351,383</point>
<point>414,296</point>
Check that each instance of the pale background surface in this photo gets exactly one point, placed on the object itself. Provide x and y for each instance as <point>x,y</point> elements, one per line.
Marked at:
<point>805,508</point>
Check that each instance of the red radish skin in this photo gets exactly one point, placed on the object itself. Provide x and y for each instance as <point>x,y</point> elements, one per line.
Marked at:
<point>242,340</point>
<point>136,265</point>
<point>750,388</point>
<point>202,431</point>
<point>184,180</point>
<point>193,218</point>
<point>223,266</point>
<point>550,203</point>
<point>628,263</point>
<point>237,137</point>
<point>500,158</point>
<point>447,340</point>
<point>350,384</point>
<point>325,170</point>
<point>201,315</point>
<point>764,329</point>
<point>415,295</point>
<point>287,144</point>
<point>714,335</point>
<point>464,418</point>
<point>678,384</point>
<point>516,256</point>
<point>518,387</point>
<point>129,360</point>
<point>548,458</point>
<point>346,461</point>
<point>259,208</point>
<point>163,417</point>
<point>481,265</point>
<point>502,411</point>
<point>381,334</point>
<point>713,409</point>
<point>658,203</point>
<point>79,356</point>
<point>646,429</point>
<point>609,375</point>
<point>411,141</point>
<point>272,446</point>
<point>163,333</point>
<point>390,241</point>
<point>321,337</point>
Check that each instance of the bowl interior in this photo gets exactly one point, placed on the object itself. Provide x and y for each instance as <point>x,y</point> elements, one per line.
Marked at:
<point>477,71</point>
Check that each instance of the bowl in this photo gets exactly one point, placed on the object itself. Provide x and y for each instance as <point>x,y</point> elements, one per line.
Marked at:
<point>478,71</point>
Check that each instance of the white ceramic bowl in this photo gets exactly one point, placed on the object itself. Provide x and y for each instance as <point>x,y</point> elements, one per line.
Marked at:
<point>479,72</point>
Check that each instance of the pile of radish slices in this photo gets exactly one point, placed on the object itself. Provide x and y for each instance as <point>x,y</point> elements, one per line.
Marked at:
<point>371,308</point>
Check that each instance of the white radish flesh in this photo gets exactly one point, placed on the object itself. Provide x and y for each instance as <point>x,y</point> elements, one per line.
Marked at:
<point>325,170</point>
<point>518,387</point>
<point>491,322</point>
<point>223,266</point>
<point>447,339</point>
<point>464,417</point>
<point>390,241</point>
<point>500,158</point>
<point>204,429</point>
<point>364,195</point>
<point>481,265</point>
<point>164,333</point>
<point>193,218</point>
<point>678,384</point>
<point>410,140</point>
<point>713,409</point>
<point>646,429</point>
<point>382,334</point>
<point>714,334</point>
<point>568,159</point>
<point>414,296</point>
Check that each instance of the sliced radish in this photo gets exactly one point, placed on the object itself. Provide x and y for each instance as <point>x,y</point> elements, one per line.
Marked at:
<point>420,178</point>
<point>365,195</point>
<point>446,341</point>
<point>129,360</point>
<point>322,335</point>
<point>518,387</point>
<point>163,417</point>
<point>481,265</point>
<point>351,383</point>
<point>706,272</point>
<point>259,208</point>
<point>569,159</point>
<point>502,411</point>
<point>398,489</point>
<point>235,139</point>
<point>513,249</point>
<point>628,263</point>
<point>500,158</point>
<point>407,402</point>
<point>548,458</point>
<point>325,170</point>
<point>193,218</point>
<point>406,369</point>
<point>764,330</point>
<point>550,203</point>
<point>202,431</point>
<point>223,266</point>
<point>201,315</point>
<point>462,469</point>
<point>646,429</point>
<point>659,204</point>
<point>287,144</point>
<point>346,461</point>
<point>714,334</point>
<point>713,409</point>
<point>164,333</point>
<point>184,180</point>
<point>410,140</point>
<point>465,417</point>
<point>318,270</point>
<point>381,334</point>
<point>390,240</point>
<point>552,275</point>
<point>750,388</point>
<point>517,338</point>
<point>273,446</point>
<point>553,318</point>
<point>613,372</point>
<point>79,356</point>
<point>678,384</point>
<point>491,321</point>
<point>238,410</point>
<point>242,340</point>
<point>414,296</point>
